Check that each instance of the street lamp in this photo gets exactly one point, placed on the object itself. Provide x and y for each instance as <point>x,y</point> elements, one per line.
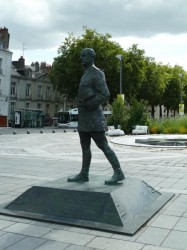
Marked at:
<point>181,104</point>
<point>181,75</point>
<point>120,57</point>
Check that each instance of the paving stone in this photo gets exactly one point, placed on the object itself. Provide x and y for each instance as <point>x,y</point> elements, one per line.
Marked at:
<point>101,233</point>
<point>69,237</point>
<point>79,230</point>
<point>27,229</point>
<point>62,155</point>
<point>129,238</point>
<point>178,206</point>
<point>111,244</point>
<point>5,223</point>
<point>8,239</point>
<point>74,247</point>
<point>2,232</point>
<point>185,214</point>
<point>58,226</point>
<point>176,239</point>
<point>150,247</point>
<point>153,235</point>
<point>49,245</point>
<point>174,213</point>
<point>165,221</point>
<point>181,225</point>
<point>28,243</point>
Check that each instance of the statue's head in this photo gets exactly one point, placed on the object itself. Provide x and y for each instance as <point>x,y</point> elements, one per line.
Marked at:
<point>87,57</point>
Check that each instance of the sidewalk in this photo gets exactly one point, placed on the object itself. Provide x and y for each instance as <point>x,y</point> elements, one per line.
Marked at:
<point>29,159</point>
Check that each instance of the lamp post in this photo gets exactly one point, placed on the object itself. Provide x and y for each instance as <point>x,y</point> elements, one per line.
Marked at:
<point>181,75</point>
<point>181,105</point>
<point>120,57</point>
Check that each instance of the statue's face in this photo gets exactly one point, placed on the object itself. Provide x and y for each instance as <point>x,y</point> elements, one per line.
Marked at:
<point>86,59</point>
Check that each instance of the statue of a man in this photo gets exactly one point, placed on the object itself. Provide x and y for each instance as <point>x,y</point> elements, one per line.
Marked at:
<point>93,92</point>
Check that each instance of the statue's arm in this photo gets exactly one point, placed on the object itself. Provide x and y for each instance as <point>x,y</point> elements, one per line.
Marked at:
<point>101,89</point>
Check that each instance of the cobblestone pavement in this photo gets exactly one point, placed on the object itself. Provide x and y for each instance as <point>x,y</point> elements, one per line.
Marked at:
<point>29,159</point>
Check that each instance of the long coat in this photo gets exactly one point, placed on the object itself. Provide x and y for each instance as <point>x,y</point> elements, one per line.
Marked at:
<point>93,92</point>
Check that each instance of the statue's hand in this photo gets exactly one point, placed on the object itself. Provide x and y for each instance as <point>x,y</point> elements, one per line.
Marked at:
<point>90,105</point>
<point>81,104</point>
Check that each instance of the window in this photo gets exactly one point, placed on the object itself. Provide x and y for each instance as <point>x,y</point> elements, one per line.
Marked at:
<point>48,92</point>
<point>27,105</point>
<point>39,106</point>
<point>47,109</point>
<point>56,110</point>
<point>0,88</point>
<point>39,93</point>
<point>28,90</point>
<point>12,106</point>
<point>1,62</point>
<point>13,88</point>
<point>57,95</point>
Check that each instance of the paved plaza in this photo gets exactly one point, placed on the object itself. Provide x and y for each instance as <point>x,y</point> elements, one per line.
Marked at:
<point>35,158</point>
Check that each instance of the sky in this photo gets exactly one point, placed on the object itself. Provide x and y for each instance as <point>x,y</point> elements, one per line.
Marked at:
<point>38,27</point>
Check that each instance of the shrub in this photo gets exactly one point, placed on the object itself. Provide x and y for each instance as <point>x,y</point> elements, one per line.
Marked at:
<point>119,113</point>
<point>177,125</point>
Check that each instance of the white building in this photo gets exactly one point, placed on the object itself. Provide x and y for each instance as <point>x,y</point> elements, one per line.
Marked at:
<point>5,76</point>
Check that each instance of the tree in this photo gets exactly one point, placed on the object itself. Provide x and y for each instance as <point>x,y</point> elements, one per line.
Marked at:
<point>137,115</point>
<point>66,69</point>
<point>174,88</point>
<point>134,69</point>
<point>154,85</point>
<point>119,113</point>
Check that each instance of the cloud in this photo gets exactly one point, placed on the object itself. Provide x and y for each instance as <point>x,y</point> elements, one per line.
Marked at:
<point>165,48</point>
<point>43,24</point>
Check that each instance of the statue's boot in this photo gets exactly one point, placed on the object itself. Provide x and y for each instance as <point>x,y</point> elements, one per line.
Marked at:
<point>83,175</point>
<point>118,173</point>
<point>116,177</point>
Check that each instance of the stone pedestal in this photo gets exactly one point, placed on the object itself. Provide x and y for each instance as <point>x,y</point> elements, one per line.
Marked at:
<point>123,208</point>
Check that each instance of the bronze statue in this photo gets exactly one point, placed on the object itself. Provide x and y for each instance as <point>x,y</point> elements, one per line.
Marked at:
<point>93,92</point>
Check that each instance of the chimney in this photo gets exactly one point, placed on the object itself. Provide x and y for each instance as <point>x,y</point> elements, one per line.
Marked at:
<point>37,66</point>
<point>4,38</point>
<point>21,62</point>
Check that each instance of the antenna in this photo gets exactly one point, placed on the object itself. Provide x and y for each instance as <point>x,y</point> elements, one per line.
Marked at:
<point>23,48</point>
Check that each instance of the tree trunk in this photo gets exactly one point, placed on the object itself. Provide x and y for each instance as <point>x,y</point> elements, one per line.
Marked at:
<point>152,111</point>
<point>160,111</point>
<point>167,112</point>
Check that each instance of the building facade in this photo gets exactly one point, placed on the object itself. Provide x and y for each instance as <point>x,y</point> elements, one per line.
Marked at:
<point>5,73</point>
<point>32,95</point>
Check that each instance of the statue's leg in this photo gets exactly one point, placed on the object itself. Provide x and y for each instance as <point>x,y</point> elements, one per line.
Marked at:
<point>101,141</point>
<point>85,140</point>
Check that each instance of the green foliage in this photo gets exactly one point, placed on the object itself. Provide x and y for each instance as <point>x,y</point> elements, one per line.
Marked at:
<point>134,67</point>
<point>66,69</point>
<point>119,113</point>
<point>173,90</point>
<point>137,115</point>
<point>127,117</point>
<point>143,78</point>
<point>177,125</point>
<point>154,85</point>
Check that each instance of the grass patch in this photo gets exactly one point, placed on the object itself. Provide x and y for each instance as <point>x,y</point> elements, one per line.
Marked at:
<point>177,125</point>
